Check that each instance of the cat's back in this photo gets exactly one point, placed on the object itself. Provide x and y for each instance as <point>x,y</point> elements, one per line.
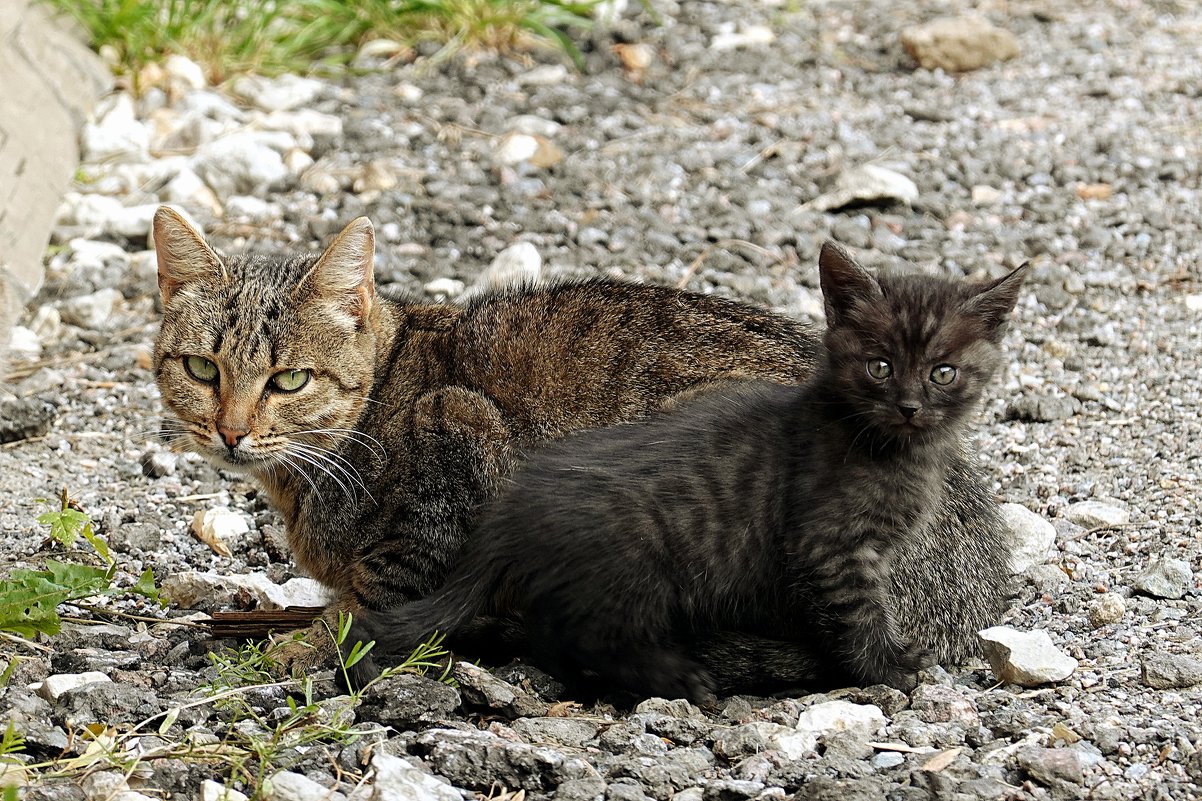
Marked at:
<point>610,350</point>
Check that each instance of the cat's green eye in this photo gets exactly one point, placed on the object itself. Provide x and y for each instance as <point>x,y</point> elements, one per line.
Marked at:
<point>943,375</point>
<point>879,368</point>
<point>290,380</point>
<point>201,369</point>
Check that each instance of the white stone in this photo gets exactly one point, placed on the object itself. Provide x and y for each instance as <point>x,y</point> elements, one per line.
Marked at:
<point>240,164</point>
<point>397,780</point>
<point>297,161</point>
<point>184,73</point>
<point>277,94</point>
<point>545,75</point>
<point>1193,302</point>
<point>1032,538</point>
<point>444,287</point>
<point>214,526</point>
<point>288,786</point>
<point>104,785</point>
<point>250,208</point>
<point>303,123</point>
<point>131,222</point>
<point>1107,608</point>
<point>866,183</point>
<point>53,687</point>
<point>94,254</point>
<point>25,343</point>
<point>1095,514</point>
<point>213,791</point>
<point>93,312</point>
<point>750,36</point>
<point>117,134</point>
<point>407,92</point>
<point>820,720</point>
<point>515,148</point>
<point>187,189</point>
<point>211,104</point>
<point>47,323</point>
<point>1025,658</point>
<point>211,590</point>
<point>986,195</point>
<point>517,265</point>
<point>534,126</point>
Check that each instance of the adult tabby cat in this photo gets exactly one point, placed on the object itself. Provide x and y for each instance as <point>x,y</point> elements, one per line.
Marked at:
<point>377,427</point>
<point>781,511</point>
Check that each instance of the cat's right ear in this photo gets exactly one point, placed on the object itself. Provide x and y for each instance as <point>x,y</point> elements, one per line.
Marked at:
<point>845,284</point>
<point>345,272</point>
<point>184,256</point>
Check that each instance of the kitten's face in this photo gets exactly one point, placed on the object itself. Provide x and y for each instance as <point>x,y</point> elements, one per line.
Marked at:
<point>912,354</point>
<point>261,364</point>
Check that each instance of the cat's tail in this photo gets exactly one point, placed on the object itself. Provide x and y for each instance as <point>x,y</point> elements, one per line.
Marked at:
<point>398,631</point>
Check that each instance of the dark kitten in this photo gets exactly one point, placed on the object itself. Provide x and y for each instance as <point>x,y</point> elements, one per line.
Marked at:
<point>763,509</point>
<point>377,428</point>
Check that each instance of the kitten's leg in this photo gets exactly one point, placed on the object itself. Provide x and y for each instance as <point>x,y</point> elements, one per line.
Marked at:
<point>854,590</point>
<point>748,663</point>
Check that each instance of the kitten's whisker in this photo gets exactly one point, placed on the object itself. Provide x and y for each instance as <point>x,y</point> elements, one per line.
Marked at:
<point>353,435</point>
<point>298,471</point>
<point>320,461</point>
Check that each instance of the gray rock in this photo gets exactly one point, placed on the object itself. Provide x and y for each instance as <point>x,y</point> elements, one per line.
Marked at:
<point>1047,578</point>
<point>1095,514</point>
<point>1171,671</point>
<point>942,704</point>
<point>889,700</point>
<point>1051,766</point>
<point>1032,538</point>
<point>94,311</point>
<point>240,164</point>
<point>106,702</point>
<point>23,418</point>
<point>1025,658</point>
<point>1164,578</point>
<point>819,720</point>
<point>404,700</point>
<point>480,687</point>
<point>571,732</point>
<point>958,44</point>
<point>210,591</point>
<point>731,790</point>
<point>1107,608</point>
<point>888,759</point>
<point>760,736</point>
<point>589,789</point>
<point>476,760</point>
<point>1042,409</point>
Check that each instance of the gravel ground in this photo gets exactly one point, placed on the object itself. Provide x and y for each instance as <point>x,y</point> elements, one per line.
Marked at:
<point>695,164</point>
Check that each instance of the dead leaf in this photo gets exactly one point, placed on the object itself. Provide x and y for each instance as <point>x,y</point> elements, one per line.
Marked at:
<point>1094,191</point>
<point>1062,732</point>
<point>941,760</point>
<point>563,709</point>
<point>548,154</point>
<point>635,58</point>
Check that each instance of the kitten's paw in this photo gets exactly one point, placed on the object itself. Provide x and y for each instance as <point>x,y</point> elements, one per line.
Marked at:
<point>903,673</point>
<point>358,676</point>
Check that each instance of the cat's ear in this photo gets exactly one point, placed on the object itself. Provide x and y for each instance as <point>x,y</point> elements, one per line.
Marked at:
<point>343,275</point>
<point>845,284</point>
<point>183,255</point>
<point>994,301</point>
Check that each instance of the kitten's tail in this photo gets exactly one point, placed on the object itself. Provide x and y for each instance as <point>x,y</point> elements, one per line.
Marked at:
<point>398,631</point>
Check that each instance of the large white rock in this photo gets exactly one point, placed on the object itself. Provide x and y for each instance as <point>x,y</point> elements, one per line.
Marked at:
<point>93,312</point>
<point>397,780</point>
<point>515,148</point>
<point>303,123</point>
<point>117,134</point>
<point>1027,658</point>
<point>277,94</point>
<point>53,687</point>
<point>867,183</point>
<point>183,73</point>
<point>206,591</point>
<point>289,786</point>
<point>864,720</point>
<point>517,265</point>
<point>240,164</point>
<point>1031,537</point>
<point>214,527</point>
<point>1095,514</point>
<point>213,791</point>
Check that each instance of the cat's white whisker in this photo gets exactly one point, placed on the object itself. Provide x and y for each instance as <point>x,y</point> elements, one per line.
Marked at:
<point>347,490</point>
<point>333,460</point>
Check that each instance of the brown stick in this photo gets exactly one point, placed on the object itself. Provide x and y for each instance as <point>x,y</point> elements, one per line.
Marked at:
<point>258,624</point>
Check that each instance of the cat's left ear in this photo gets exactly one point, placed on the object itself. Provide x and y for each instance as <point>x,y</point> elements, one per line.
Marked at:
<point>845,284</point>
<point>994,301</point>
<point>344,273</point>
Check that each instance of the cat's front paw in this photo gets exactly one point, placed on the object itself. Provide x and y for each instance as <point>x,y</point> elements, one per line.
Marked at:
<point>902,674</point>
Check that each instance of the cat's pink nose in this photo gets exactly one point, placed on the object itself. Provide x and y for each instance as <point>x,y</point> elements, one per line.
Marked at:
<point>232,436</point>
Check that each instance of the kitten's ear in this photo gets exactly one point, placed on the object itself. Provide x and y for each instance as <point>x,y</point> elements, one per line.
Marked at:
<point>845,284</point>
<point>182,253</point>
<point>994,301</point>
<point>343,274</point>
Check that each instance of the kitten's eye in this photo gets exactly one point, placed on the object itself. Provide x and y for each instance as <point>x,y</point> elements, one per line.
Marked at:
<point>290,380</point>
<point>879,368</point>
<point>201,369</point>
<point>943,375</point>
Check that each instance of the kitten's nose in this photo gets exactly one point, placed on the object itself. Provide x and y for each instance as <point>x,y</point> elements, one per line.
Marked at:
<point>232,436</point>
<point>907,410</point>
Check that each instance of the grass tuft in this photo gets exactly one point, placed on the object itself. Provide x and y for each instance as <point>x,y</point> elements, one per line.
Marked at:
<point>229,37</point>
